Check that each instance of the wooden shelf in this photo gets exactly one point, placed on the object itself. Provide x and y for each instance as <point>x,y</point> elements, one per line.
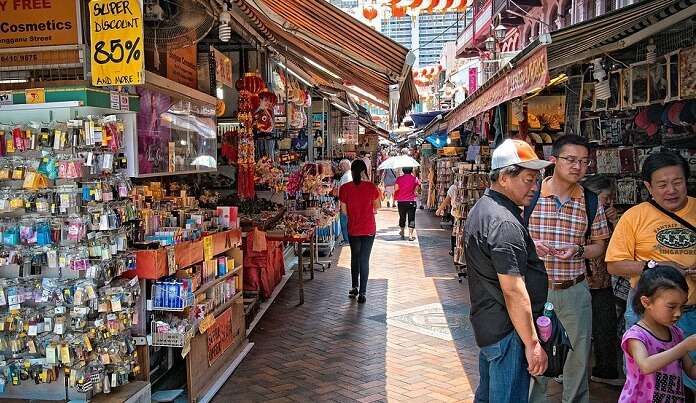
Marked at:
<point>218,280</point>
<point>222,308</point>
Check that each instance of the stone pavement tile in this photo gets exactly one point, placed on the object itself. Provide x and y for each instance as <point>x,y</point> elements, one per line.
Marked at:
<point>332,349</point>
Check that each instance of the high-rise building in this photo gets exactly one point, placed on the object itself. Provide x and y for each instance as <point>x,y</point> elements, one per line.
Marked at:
<point>425,33</point>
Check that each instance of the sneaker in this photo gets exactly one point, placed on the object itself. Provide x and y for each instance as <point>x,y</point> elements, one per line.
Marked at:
<point>361,299</point>
<point>608,381</point>
<point>352,293</point>
<point>388,205</point>
<point>559,379</point>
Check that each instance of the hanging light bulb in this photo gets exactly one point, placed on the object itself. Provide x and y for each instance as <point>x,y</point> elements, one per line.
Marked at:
<point>449,140</point>
<point>651,52</point>
<point>224,30</point>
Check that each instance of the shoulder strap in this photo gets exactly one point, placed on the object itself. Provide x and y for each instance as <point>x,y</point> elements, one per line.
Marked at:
<point>591,206</point>
<point>673,216</point>
<point>528,210</point>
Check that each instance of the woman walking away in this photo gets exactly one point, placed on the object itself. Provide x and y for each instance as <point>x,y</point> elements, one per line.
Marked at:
<point>405,196</point>
<point>359,201</point>
<point>605,338</point>
<point>656,350</point>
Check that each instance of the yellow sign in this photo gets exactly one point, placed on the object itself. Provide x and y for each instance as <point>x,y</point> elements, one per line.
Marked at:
<point>35,95</point>
<point>206,323</point>
<point>34,23</point>
<point>207,247</point>
<point>117,51</point>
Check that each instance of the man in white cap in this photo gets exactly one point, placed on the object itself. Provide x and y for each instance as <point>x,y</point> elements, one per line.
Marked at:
<point>507,280</point>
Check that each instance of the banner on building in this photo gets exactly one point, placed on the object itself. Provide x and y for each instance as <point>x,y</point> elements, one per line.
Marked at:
<point>350,130</point>
<point>117,50</point>
<point>473,79</point>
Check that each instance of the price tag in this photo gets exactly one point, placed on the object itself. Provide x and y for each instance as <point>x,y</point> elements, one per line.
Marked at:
<point>35,95</point>
<point>206,323</point>
<point>6,98</point>
<point>207,247</point>
<point>117,51</point>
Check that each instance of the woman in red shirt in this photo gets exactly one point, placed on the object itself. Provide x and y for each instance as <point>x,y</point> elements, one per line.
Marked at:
<point>359,201</point>
<point>406,196</point>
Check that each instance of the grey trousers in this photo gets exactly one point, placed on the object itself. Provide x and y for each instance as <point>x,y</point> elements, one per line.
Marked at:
<point>574,308</point>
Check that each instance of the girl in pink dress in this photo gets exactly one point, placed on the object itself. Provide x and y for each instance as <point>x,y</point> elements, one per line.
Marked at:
<point>656,350</point>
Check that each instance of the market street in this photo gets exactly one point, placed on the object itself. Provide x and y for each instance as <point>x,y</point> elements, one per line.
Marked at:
<point>411,341</point>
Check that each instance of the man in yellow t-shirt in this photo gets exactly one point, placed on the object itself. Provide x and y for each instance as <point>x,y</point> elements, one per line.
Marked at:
<point>645,236</point>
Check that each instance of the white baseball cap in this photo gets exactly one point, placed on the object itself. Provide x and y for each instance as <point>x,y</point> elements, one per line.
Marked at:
<point>517,152</point>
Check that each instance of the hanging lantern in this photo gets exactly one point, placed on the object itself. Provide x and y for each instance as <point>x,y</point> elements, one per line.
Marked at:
<point>370,13</point>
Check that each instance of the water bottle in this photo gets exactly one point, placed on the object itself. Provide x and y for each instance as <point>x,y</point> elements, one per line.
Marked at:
<point>548,310</point>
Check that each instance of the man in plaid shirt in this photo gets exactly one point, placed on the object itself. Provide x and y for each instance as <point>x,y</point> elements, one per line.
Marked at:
<point>558,226</point>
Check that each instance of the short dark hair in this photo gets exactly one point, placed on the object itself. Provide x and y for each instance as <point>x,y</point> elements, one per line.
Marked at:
<point>407,170</point>
<point>512,170</point>
<point>661,160</point>
<point>569,139</point>
<point>657,279</point>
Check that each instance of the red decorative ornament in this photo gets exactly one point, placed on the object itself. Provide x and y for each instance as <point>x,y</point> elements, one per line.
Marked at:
<point>370,13</point>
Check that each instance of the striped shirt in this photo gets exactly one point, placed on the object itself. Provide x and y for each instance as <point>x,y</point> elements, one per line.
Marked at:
<point>559,224</point>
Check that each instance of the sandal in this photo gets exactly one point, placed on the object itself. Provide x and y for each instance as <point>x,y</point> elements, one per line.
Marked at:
<point>411,238</point>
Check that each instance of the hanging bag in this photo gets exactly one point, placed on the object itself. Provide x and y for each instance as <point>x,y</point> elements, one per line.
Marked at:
<point>556,347</point>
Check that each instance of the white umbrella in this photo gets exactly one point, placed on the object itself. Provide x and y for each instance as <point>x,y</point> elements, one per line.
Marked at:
<point>400,161</point>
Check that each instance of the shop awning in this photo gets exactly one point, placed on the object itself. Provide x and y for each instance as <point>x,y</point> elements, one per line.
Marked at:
<point>612,31</point>
<point>529,70</point>
<point>520,76</point>
<point>335,47</point>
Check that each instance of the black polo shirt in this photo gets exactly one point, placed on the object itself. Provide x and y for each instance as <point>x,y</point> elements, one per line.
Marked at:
<point>497,242</point>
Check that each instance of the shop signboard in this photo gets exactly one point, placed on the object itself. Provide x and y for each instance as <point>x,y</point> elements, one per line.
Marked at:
<point>350,130</point>
<point>117,50</point>
<point>220,336</point>
<point>530,74</point>
<point>473,79</point>
<point>223,68</point>
<point>182,66</point>
<point>32,26</point>
<point>6,98</point>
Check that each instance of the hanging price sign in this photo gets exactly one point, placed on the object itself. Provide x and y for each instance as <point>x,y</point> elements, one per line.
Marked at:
<point>117,51</point>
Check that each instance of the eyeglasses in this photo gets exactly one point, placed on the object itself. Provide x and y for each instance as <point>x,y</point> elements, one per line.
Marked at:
<point>585,162</point>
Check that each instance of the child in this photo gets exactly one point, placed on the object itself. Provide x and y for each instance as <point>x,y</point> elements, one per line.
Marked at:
<point>656,351</point>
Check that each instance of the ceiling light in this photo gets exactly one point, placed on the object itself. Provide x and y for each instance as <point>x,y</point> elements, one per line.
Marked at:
<point>299,77</point>
<point>14,81</point>
<point>224,30</point>
<point>322,68</point>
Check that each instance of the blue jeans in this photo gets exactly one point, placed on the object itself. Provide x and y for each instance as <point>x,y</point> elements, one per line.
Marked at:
<point>503,372</point>
<point>344,227</point>
<point>360,249</point>
<point>687,323</point>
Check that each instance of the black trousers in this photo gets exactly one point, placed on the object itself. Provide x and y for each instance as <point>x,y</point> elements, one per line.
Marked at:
<point>360,250</point>
<point>605,342</point>
<point>407,210</point>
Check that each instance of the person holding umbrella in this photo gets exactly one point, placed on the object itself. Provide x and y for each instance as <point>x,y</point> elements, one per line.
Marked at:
<point>405,191</point>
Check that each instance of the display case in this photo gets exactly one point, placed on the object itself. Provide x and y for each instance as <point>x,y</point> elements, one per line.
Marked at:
<point>176,134</point>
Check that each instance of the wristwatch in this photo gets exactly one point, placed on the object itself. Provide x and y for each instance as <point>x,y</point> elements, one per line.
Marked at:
<point>580,252</point>
<point>650,264</point>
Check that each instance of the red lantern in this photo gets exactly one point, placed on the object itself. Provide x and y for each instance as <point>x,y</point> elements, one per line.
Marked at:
<point>370,13</point>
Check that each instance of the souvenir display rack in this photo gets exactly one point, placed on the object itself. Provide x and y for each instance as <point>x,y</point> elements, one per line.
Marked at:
<point>471,180</point>
<point>445,177</point>
<point>67,217</point>
<point>195,282</point>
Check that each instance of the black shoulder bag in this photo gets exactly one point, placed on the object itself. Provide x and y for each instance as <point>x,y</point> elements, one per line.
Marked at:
<point>673,216</point>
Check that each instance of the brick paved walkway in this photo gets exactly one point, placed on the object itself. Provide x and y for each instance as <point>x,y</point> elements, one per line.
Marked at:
<point>410,342</point>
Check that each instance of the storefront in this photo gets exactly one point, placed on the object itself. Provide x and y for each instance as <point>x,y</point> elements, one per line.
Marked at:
<point>622,80</point>
<point>158,175</point>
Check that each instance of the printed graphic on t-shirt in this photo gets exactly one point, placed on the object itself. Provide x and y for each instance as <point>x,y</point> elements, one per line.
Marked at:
<point>668,388</point>
<point>673,239</point>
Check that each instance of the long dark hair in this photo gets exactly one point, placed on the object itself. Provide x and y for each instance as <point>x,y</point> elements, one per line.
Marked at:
<point>653,280</point>
<point>356,169</point>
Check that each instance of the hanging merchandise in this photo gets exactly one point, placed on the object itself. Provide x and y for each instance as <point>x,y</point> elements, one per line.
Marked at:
<point>249,87</point>
<point>264,115</point>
